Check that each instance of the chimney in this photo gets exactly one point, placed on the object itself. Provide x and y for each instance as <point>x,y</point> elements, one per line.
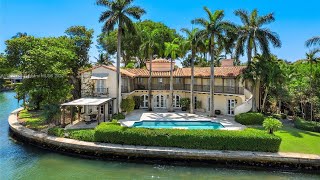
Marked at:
<point>227,63</point>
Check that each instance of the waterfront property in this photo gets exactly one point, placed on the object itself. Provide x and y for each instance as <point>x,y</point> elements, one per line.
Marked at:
<point>232,94</point>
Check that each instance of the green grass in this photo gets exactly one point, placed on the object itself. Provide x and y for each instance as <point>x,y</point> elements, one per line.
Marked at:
<point>32,119</point>
<point>299,141</point>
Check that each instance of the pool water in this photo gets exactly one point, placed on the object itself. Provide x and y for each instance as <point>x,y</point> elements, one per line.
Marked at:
<point>178,124</point>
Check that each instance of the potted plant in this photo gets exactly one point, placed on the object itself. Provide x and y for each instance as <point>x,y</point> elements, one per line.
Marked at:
<point>185,103</point>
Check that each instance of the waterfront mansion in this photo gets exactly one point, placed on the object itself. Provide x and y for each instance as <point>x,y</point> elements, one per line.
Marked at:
<point>232,94</point>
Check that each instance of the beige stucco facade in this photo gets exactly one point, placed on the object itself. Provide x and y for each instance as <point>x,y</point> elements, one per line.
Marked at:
<point>224,101</point>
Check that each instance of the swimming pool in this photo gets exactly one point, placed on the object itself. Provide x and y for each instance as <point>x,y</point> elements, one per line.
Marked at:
<point>178,124</point>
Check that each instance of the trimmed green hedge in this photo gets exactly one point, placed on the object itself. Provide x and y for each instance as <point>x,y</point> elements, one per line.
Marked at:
<point>250,118</point>
<point>83,134</point>
<point>245,140</point>
<point>56,132</point>
<point>307,125</point>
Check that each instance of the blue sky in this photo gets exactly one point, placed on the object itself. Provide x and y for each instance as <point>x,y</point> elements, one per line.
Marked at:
<point>296,20</point>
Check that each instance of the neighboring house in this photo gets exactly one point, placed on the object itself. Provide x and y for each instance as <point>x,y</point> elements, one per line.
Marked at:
<point>231,92</point>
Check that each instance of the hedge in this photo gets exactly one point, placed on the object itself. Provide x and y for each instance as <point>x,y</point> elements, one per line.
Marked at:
<point>83,135</point>
<point>250,118</point>
<point>307,125</point>
<point>244,140</point>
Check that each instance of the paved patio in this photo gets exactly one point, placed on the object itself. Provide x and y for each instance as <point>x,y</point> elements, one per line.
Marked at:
<point>81,125</point>
<point>161,114</point>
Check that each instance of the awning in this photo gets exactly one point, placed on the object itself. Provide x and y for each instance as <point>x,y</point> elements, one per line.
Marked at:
<point>99,76</point>
<point>88,102</point>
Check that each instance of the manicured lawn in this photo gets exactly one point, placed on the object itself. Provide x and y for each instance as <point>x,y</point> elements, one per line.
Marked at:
<point>32,119</point>
<point>300,141</point>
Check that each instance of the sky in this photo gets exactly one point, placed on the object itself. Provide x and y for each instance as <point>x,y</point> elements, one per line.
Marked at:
<point>296,20</point>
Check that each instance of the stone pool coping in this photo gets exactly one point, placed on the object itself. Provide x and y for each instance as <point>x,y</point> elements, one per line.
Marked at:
<point>307,161</point>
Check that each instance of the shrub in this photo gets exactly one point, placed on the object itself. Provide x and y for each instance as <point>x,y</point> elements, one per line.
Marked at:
<point>55,131</point>
<point>277,116</point>
<point>245,140</point>
<point>250,118</point>
<point>118,116</point>
<point>283,116</point>
<point>185,102</point>
<point>272,125</point>
<point>137,102</point>
<point>127,105</point>
<point>82,135</point>
<point>307,125</point>
<point>51,112</point>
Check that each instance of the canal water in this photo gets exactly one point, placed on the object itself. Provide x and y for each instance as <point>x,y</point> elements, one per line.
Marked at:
<point>22,161</point>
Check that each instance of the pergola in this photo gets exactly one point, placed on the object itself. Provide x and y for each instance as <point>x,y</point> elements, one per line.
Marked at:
<point>89,101</point>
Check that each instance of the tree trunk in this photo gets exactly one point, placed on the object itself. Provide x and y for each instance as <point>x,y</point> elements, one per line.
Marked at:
<point>192,82</point>
<point>254,106</point>
<point>118,68</point>
<point>264,99</point>
<point>212,113</point>
<point>171,88</point>
<point>279,107</point>
<point>150,83</point>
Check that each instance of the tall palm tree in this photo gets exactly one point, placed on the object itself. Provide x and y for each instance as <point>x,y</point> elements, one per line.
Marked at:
<point>172,49</point>
<point>119,12</point>
<point>253,36</point>
<point>191,41</point>
<point>313,41</point>
<point>214,30</point>
<point>312,58</point>
<point>148,48</point>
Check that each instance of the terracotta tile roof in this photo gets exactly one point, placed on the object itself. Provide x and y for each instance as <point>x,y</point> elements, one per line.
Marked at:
<point>186,72</point>
<point>179,72</point>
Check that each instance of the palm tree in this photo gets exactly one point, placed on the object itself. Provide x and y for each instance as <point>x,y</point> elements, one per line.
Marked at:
<point>312,58</point>
<point>148,47</point>
<point>191,42</point>
<point>172,49</point>
<point>104,59</point>
<point>214,30</point>
<point>119,12</point>
<point>313,41</point>
<point>252,36</point>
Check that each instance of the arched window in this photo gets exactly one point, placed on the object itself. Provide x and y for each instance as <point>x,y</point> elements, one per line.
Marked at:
<point>159,101</point>
<point>176,101</point>
<point>144,101</point>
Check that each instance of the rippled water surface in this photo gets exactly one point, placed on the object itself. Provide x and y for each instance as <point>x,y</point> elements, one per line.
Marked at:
<point>20,161</point>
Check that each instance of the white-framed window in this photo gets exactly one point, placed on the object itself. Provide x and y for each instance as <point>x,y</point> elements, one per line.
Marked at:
<point>229,82</point>
<point>176,101</point>
<point>231,104</point>
<point>195,102</point>
<point>144,101</point>
<point>160,80</point>
<point>100,85</point>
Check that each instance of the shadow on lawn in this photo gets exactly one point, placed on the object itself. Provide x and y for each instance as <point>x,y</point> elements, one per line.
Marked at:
<point>297,133</point>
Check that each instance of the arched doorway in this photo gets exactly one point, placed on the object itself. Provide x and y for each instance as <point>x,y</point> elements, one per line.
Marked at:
<point>176,101</point>
<point>144,101</point>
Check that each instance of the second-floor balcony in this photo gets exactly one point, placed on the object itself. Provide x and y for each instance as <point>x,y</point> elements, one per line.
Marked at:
<point>96,92</point>
<point>186,87</point>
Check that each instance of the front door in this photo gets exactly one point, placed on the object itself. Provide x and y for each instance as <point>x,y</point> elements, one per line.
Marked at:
<point>231,106</point>
<point>159,101</point>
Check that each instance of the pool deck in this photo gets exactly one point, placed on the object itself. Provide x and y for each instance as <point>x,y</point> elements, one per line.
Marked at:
<point>163,115</point>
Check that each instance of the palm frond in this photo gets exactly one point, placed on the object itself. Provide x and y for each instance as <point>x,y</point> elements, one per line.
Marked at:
<point>201,22</point>
<point>105,15</point>
<point>271,36</point>
<point>104,3</point>
<point>135,12</point>
<point>313,41</point>
<point>243,15</point>
<point>269,18</point>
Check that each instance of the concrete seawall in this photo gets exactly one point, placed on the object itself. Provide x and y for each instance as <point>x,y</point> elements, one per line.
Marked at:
<point>93,149</point>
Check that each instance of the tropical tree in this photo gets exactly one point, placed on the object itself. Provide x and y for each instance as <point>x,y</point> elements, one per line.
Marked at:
<point>172,50</point>
<point>82,38</point>
<point>104,59</point>
<point>148,48</point>
<point>119,12</point>
<point>214,30</point>
<point>312,58</point>
<point>191,42</point>
<point>253,36</point>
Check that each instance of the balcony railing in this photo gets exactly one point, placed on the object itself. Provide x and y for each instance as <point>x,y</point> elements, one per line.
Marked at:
<point>186,87</point>
<point>95,92</point>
